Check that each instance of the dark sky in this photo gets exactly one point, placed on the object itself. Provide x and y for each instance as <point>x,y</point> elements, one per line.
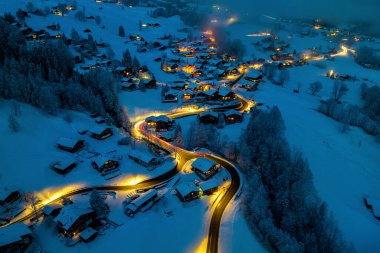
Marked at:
<point>335,10</point>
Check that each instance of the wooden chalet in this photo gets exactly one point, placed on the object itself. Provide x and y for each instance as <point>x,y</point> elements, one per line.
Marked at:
<point>187,192</point>
<point>209,187</point>
<point>9,195</point>
<point>101,133</point>
<point>127,84</point>
<point>15,238</point>
<point>205,168</point>
<point>103,164</point>
<point>159,123</point>
<point>225,93</point>
<point>73,219</point>
<point>65,166</point>
<point>52,210</point>
<point>208,117</point>
<point>233,116</point>
<point>170,96</point>
<point>187,95</point>
<point>144,201</point>
<point>70,145</point>
<point>145,159</point>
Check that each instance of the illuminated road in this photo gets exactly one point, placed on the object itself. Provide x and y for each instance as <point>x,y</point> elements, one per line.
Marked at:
<point>182,156</point>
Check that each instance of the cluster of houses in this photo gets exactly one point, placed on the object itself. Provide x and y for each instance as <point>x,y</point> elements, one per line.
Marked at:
<point>205,169</point>
<point>131,81</point>
<point>229,117</point>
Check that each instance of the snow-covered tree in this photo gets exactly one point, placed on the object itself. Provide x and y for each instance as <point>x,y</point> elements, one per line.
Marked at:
<point>81,16</point>
<point>99,205</point>
<point>135,64</point>
<point>178,138</point>
<point>127,59</point>
<point>339,90</point>
<point>121,32</point>
<point>315,88</point>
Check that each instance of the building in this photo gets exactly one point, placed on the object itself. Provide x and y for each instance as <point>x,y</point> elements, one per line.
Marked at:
<point>187,95</point>
<point>205,168</point>
<point>187,192</point>
<point>101,133</point>
<point>9,195</point>
<point>233,116</point>
<point>73,219</point>
<point>70,145</point>
<point>167,136</point>
<point>144,159</point>
<point>52,210</point>
<point>144,201</point>
<point>64,166</point>
<point>159,123</point>
<point>209,187</point>
<point>170,96</point>
<point>208,117</point>
<point>103,164</point>
<point>225,93</point>
<point>88,234</point>
<point>15,238</point>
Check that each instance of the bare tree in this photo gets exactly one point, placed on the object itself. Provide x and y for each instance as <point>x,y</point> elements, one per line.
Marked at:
<point>315,88</point>
<point>339,90</point>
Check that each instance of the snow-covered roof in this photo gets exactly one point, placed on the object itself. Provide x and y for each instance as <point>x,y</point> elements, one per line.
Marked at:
<point>231,112</point>
<point>214,114</point>
<point>145,157</point>
<point>101,160</point>
<point>87,233</point>
<point>167,135</point>
<point>210,184</point>
<point>193,86</point>
<point>210,92</point>
<point>5,192</point>
<point>203,164</point>
<point>171,92</point>
<point>61,165</point>
<point>144,197</point>
<point>224,91</point>
<point>98,129</point>
<point>48,209</point>
<point>67,142</point>
<point>162,118</point>
<point>186,188</point>
<point>70,213</point>
<point>13,233</point>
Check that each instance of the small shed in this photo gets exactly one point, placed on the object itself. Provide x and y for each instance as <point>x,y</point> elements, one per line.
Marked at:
<point>69,144</point>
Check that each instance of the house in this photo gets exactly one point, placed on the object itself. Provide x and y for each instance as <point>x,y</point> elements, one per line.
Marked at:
<point>233,116</point>
<point>187,95</point>
<point>73,219</point>
<point>52,210</point>
<point>209,187</point>
<point>9,195</point>
<point>170,97</point>
<point>88,234</point>
<point>145,200</point>
<point>144,159</point>
<point>205,168</point>
<point>225,93</point>
<point>64,166</point>
<point>159,123</point>
<point>208,117</point>
<point>102,164</point>
<point>127,85</point>
<point>187,192</point>
<point>178,85</point>
<point>15,238</point>
<point>101,133</point>
<point>167,136</point>
<point>70,145</point>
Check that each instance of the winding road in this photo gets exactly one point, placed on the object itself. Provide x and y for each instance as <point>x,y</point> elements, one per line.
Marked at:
<point>183,156</point>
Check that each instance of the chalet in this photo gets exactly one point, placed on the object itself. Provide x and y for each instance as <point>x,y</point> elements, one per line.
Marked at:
<point>52,210</point>
<point>122,71</point>
<point>208,117</point>
<point>205,168</point>
<point>127,84</point>
<point>103,164</point>
<point>193,86</point>
<point>144,201</point>
<point>209,187</point>
<point>159,123</point>
<point>170,96</point>
<point>70,145</point>
<point>88,234</point>
<point>144,159</point>
<point>187,192</point>
<point>178,85</point>
<point>65,166</point>
<point>254,79</point>
<point>147,79</point>
<point>225,93</point>
<point>15,238</point>
<point>101,133</point>
<point>187,95</point>
<point>9,195</point>
<point>73,219</point>
<point>233,116</point>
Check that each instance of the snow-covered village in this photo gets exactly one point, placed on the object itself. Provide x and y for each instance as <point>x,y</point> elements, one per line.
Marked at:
<point>189,126</point>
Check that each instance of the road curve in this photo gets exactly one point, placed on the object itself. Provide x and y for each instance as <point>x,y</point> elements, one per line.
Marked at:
<point>185,155</point>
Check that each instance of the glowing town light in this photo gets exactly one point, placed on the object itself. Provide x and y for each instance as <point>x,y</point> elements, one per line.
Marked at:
<point>231,20</point>
<point>190,69</point>
<point>214,21</point>
<point>208,32</point>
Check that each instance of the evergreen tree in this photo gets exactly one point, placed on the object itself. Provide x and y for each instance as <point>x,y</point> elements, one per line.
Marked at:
<point>121,32</point>
<point>99,205</point>
<point>135,65</point>
<point>127,59</point>
<point>178,138</point>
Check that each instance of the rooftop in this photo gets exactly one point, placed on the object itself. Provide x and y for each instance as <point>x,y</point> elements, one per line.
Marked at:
<point>203,164</point>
